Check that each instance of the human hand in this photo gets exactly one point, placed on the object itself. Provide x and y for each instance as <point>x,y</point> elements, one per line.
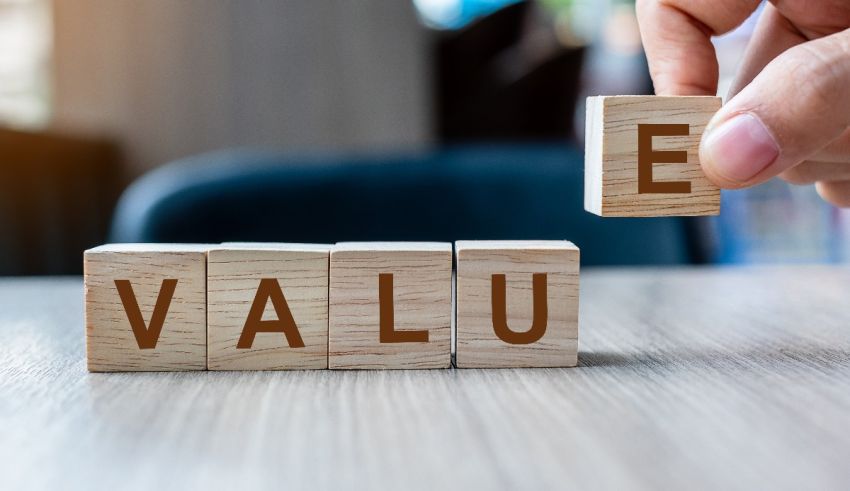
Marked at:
<point>788,112</point>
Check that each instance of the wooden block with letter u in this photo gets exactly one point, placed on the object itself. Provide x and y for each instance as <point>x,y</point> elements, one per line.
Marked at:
<point>517,304</point>
<point>390,305</point>
<point>146,307</point>
<point>267,306</point>
<point>642,156</point>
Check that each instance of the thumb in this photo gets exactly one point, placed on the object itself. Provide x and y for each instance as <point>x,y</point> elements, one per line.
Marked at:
<point>796,106</point>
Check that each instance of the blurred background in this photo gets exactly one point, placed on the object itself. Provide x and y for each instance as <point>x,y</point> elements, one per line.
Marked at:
<point>332,120</point>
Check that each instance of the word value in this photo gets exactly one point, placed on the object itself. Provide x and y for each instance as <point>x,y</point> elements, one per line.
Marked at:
<point>368,305</point>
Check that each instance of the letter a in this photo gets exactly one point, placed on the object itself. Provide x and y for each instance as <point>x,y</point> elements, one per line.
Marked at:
<point>500,310</point>
<point>146,336</point>
<point>269,289</point>
<point>388,334</point>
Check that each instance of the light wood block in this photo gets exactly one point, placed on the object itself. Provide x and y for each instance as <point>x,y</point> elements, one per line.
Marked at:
<point>146,307</point>
<point>642,156</point>
<point>267,306</point>
<point>517,304</point>
<point>390,305</point>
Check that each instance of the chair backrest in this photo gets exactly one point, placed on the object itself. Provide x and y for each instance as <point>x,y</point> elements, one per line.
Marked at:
<point>485,192</point>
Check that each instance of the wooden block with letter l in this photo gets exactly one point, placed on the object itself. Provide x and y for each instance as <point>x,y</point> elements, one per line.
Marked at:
<point>145,307</point>
<point>642,156</point>
<point>390,305</point>
<point>267,306</point>
<point>517,304</point>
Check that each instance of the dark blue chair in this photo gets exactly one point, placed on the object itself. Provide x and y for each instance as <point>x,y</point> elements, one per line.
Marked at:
<point>482,192</point>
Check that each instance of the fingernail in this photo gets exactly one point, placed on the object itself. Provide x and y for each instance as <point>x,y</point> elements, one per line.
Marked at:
<point>740,148</point>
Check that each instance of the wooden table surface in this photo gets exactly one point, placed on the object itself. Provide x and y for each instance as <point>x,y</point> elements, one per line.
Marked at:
<point>688,378</point>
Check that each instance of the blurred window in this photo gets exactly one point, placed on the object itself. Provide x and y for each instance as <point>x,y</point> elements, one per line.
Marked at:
<point>454,14</point>
<point>25,37</point>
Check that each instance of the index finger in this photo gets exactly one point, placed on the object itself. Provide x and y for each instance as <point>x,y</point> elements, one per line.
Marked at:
<point>677,35</point>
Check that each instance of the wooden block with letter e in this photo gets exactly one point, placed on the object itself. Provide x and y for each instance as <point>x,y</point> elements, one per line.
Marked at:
<point>146,307</point>
<point>390,305</point>
<point>517,304</point>
<point>642,156</point>
<point>267,306</point>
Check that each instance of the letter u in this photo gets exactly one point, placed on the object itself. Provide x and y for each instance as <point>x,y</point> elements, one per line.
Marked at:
<point>500,311</point>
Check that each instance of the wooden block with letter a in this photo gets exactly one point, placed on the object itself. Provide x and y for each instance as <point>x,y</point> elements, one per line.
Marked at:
<point>517,304</point>
<point>146,307</point>
<point>390,305</point>
<point>267,306</point>
<point>642,156</point>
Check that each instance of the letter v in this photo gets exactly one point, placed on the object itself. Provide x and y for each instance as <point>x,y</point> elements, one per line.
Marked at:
<point>146,336</point>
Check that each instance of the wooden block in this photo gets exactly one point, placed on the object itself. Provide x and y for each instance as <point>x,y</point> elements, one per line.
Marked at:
<point>390,305</point>
<point>146,307</point>
<point>267,306</point>
<point>517,304</point>
<point>642,156</point>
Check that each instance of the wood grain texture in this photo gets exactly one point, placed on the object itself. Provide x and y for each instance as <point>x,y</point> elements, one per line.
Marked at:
<point>733,378</point>
<point>478,346</point>
<point>611,156</point>
<point>111,343</point>
<point>421,294</point>
<point>234,272</point>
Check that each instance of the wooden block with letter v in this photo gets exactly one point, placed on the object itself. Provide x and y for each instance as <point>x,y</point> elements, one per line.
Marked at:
<point>390,305</point>
<point>145,307</point>
<point>517,304</point>
<point>267,306</point>
<point>642,156</point>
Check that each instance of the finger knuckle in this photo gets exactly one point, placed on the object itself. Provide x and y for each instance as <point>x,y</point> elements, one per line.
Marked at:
<point>812,83</point>
<point>796,175</point>
<point>818,75</point>
<point>835,193</point>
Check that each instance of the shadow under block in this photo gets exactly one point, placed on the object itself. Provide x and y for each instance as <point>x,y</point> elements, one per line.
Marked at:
<point>390,305</point>
<point>267,306</point>
<point>642,156</point>
<point>517,304</point>
<point>146,307</point>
